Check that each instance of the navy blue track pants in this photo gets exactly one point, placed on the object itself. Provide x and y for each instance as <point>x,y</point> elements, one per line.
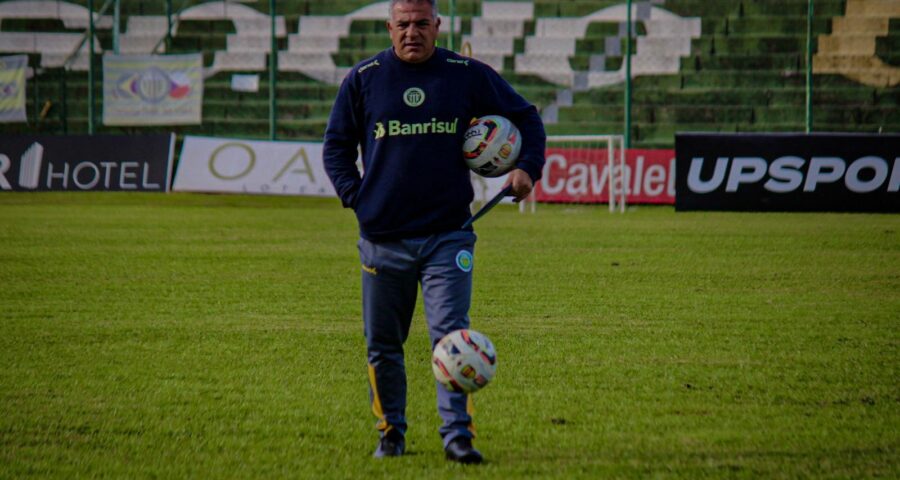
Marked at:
<point>391,273</point>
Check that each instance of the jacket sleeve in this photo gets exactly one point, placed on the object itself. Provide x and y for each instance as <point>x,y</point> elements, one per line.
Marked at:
<point>342,139</point>
<point>500,98</point>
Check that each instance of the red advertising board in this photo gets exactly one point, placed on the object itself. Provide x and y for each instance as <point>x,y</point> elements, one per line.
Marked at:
<point>580,175</point>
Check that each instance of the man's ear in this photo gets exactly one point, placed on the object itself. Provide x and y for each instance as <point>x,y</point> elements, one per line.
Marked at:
<point>387,24</point>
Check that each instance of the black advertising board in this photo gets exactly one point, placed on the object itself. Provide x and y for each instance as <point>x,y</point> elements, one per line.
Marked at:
<point>837,172</point>
<point>86,162</point>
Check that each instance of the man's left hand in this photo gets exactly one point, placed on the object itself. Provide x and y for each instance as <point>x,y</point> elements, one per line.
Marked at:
<point>521,184</point>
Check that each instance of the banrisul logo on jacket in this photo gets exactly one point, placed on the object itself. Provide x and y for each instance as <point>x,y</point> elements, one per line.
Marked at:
<point>396,128</point>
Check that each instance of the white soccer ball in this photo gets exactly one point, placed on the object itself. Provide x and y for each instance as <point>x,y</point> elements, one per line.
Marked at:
<point>491,146</point>
<point>464,361</point>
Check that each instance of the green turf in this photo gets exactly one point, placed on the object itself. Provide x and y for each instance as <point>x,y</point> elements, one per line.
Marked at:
<point>204,336</point>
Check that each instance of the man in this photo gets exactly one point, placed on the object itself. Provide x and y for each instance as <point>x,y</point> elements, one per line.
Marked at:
<point>407,108</point>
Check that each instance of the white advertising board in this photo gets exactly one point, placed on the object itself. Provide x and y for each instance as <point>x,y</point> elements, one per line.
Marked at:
<point>251,166</point>
<point>227,165</point>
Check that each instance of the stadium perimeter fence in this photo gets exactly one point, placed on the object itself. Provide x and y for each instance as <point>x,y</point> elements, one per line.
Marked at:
<point>643,69</point>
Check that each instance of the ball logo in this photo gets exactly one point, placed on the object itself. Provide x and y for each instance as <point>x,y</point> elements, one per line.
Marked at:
<point>414,97</point>
<point>505,150</point>
<point>464,261</point>
<point>476,132</point>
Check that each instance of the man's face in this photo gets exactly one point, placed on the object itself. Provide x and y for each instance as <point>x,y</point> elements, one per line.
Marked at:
<point>413,30</point>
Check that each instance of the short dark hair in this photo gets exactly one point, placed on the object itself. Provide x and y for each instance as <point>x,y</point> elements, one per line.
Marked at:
<point>433,3</point>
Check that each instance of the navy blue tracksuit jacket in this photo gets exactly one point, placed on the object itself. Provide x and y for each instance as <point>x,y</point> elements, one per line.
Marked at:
<point>409,120</point>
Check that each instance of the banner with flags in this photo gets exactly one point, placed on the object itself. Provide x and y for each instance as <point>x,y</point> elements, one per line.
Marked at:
<point>152,89</point>
<point>12,88</point>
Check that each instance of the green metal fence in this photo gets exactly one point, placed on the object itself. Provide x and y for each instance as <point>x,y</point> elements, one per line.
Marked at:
<point>745,65</point>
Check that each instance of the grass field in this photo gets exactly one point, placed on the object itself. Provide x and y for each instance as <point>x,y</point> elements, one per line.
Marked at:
<point>202,336</point>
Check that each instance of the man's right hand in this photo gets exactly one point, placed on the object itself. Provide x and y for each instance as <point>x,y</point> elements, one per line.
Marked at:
<point>521,184</point>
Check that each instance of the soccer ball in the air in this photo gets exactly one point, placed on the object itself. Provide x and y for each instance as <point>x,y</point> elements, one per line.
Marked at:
<point>491,145</point>
<point>464,361</point>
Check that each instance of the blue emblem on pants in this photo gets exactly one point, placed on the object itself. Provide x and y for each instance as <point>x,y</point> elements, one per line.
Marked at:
<point>464,261</point>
